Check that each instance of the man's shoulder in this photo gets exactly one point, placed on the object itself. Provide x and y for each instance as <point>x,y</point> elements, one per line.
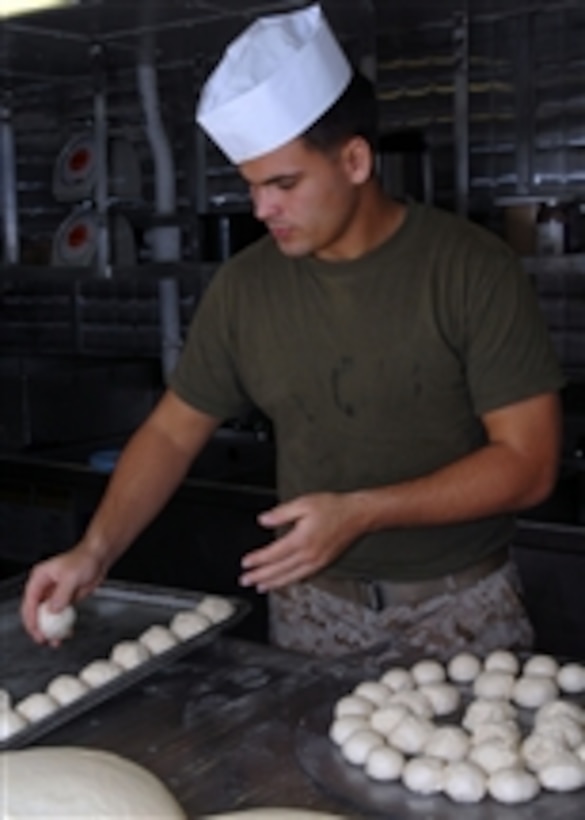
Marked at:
<point>462,235</point>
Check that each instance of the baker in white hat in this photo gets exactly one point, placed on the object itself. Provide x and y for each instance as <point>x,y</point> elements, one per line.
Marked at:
<point>400,355</point>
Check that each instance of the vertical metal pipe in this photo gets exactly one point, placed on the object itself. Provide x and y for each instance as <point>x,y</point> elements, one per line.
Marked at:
<point>523,67</point>
<point>8,187</point>
<point>461,111</point>
<point>100,127</point>
<point>169,299</point>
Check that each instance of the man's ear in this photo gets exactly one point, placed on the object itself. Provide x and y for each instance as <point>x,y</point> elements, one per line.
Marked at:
<point>358,160</point>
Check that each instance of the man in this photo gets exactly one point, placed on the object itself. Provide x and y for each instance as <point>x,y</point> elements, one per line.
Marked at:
<point>398,351</point>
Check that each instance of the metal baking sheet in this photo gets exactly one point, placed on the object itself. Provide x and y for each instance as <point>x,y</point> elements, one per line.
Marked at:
<point>322,761</point>
<point>116,611</point>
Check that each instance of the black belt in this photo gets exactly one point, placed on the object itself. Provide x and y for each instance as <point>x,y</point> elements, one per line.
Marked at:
<point>378,595</point>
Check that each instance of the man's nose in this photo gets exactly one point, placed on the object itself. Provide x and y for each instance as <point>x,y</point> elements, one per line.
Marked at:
<point>265,204</point>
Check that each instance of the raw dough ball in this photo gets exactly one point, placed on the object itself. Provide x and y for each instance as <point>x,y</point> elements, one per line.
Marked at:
<point>411,735</point>
<point>384,763</point>
<point>463,668</point>
<point>423,775</point>
<point>428,671</point>
<point>450,743</point>
<point>560,708</point>
<point>538,749</point>
<point>11,722</point>
<point>98,673</point>
<point>55,625</point>
<point>76,782</point>
<point>353,705</point>
<point>216,608</point>
<point>66,689</point>
<point>129,654</point>
<point>507,732</point>
<point>37,706</point>
<point>414,701</point>
<point>563,729</point>
<point>385,720</point>
<point>5,699</point>
<point>444,698</point>
<point>533,691</point>
<point>571,678</point>
<point>186,625</point>
<point>493,685</point>
<point>502,661</point>
<point>373,691</point>
<point>565,773</point>
<point>397,679</point>
<point>358,746</point>
<point>488,711</point>
<point>543,665</point>
<point>157,639</point>
<point>343,727</point>
<point>494,755</point>
<point>464,782</point>
<point>580,752</point>
<point>513,786</point>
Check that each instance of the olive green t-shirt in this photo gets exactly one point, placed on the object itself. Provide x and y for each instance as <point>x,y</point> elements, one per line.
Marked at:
<point>375,371</point>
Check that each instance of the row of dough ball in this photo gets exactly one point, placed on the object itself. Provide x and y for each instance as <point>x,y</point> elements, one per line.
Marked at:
<point>126,655</point>
<point>382,723</point>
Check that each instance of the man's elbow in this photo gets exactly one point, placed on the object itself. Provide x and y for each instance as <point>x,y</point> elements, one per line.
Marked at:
<point>541,482</point>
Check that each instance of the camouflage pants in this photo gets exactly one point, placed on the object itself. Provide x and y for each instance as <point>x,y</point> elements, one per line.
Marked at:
<point>486,615</point>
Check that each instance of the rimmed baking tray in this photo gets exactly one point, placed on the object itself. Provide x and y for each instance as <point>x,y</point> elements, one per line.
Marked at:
<point>323,762</point>
<point>116,611</point>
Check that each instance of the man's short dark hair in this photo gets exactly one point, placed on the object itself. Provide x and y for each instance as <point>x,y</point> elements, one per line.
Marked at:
<point>354,114</point>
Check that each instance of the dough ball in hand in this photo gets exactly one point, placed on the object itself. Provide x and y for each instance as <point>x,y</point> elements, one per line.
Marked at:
<point>55,626</point>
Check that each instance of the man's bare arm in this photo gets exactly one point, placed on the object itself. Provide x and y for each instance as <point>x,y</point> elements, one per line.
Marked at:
<point>515,469</point>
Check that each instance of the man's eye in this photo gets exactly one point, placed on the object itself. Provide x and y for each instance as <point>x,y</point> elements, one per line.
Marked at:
<point>287,184</point>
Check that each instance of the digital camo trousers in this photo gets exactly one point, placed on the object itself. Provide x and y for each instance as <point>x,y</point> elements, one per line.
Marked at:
<point>487,615</point>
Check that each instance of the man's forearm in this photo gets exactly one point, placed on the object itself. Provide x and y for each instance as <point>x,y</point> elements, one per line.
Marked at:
<point>488,482</point>
<point>147,474</point>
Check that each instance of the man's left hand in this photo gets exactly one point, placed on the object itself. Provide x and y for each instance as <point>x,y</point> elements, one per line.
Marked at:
<point>322,526</point>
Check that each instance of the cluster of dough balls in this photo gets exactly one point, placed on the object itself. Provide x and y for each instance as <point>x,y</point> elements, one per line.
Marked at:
<point>126,655</point>
<point>411,725</point>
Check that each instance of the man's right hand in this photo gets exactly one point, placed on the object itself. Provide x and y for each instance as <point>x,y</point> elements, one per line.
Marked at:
<point>62,580</point>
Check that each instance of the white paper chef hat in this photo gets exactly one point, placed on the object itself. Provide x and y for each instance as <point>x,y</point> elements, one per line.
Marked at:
<point>274,81</point>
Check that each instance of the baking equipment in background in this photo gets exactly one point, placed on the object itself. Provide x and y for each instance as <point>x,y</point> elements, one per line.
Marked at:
<point>537,226</point>
<point>224,233</point>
